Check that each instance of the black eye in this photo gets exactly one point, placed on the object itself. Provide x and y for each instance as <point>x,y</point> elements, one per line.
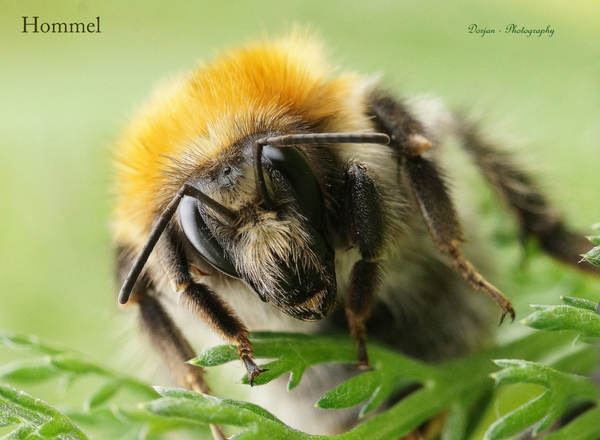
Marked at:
<point>294,167</point>
<point>201,238</point>
<point>226,171</point>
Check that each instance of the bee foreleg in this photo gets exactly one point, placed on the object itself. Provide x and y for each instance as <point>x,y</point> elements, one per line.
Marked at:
<point>216,313</point>
<point>205,303</point>
<point>366,219</point>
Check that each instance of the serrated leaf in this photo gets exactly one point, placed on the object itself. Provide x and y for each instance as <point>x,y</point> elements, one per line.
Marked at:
<point>542,412</point>
<point>68,362</point>
<point>580,303</point>
<point>465,415</point>
<point>583,427</point>
<point>199,408</point>
<point>553,318</point>
<point>204,398</point>
<point>6,416</point>
<point>275,345</point>
<point>22,432</point>
<point>523,417</point>
<point>351,392</point>
<point>444,386</point>
<point>16,341</point>
<point>593,256</point>
<point>59,363</point>
<point>35,415</point>
<point>215,356</point>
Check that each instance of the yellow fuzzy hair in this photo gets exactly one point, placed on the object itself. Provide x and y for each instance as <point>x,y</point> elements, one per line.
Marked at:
<point>264,84</point>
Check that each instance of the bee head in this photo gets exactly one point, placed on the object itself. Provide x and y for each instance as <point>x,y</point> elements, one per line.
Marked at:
<point>273,237</point>
<point>272,234</point>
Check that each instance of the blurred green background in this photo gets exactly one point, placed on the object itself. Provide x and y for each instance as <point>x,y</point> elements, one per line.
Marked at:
<point>64,98</point>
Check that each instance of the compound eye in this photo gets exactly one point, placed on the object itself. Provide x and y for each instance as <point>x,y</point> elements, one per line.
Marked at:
<point>294,167</point>
<point>201,238</point>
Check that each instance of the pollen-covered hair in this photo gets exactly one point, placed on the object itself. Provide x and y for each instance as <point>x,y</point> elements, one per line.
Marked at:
<point>263,86</point>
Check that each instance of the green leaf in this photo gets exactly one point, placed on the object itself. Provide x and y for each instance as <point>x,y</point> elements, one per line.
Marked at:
<point>199,408</point>
<point>584,427</point>
<point>101,396</point>
<point>580,303</point>
<point>462,388</point>
<point>553,318</point>
<point>427,390</point>
<point>180,393</point>
<point>29,371</point>
<point>563,390</point>
<point>16,341</point>
<point>523,417</point>
<point>593,256</point>
<point>216,356</point>
<point>465,415</point>
<point>34,417</point>
<point>60,363</point>
<point>68,366</point>
<point>69,362</point>
<point>283,346</point>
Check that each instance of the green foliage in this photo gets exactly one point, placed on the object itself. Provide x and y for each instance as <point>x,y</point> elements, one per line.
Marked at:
<point>68,366</point>
<point>593,256</point>
<point>462,389</point>
<point>580,315</point>
<point>34,418</point>
<point>564,392</point>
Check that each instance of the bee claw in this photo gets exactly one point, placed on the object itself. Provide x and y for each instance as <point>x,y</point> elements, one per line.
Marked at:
<point>512,316</point>
<point>253,370</point>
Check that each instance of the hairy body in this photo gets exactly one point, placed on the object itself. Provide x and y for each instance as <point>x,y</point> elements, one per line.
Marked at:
<point>350,234</point>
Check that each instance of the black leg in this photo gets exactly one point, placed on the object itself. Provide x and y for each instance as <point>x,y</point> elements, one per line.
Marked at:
<point>162,331</point>
<point>365,216</point>
<point>408,141</point>
<point>174,349</point>
<point>204,303</point>
<point>170,343</point>
<point>212,310</point>
<point>536,217</point>
<point>437,209</point>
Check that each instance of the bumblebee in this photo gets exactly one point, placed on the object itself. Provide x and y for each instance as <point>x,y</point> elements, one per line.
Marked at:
<point>263,188</point>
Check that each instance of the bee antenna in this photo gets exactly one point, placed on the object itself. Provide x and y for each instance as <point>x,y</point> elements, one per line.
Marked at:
<point>160,226</point>
<point>306,138</point>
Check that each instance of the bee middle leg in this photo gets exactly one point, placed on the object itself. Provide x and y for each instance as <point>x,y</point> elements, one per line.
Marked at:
<point>365,215</point>
<point>170,343</point>
<point>160,328</point>
<point>440,216</point>
<point>174,349</point>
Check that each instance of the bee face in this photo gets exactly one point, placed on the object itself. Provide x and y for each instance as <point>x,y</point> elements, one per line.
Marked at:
<point>280,251</point>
